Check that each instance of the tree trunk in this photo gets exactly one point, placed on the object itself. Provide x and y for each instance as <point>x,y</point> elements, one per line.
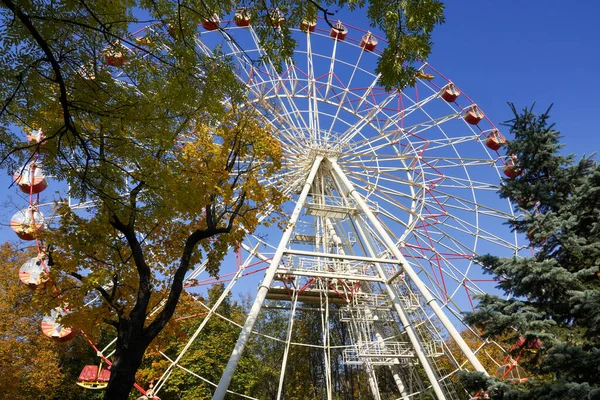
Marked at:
<point>129,353</point>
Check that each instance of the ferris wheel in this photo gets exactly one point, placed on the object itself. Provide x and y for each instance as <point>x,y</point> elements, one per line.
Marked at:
<point>392,194</point>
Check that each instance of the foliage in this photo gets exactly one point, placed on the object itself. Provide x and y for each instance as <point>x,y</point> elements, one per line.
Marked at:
<point>554,294</point>
<point>408,31</point>
<point>490,354</point>
<point>32,365</point>
<point>159,137</point>
<point>207,355</point>
<point>306,365</point>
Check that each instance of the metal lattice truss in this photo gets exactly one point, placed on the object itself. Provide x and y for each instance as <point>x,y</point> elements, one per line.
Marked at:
<point>392,195</point>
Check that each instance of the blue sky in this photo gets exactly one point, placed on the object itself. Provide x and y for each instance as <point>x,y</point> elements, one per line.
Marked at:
<point>498,51</point>
<point>545,51</point>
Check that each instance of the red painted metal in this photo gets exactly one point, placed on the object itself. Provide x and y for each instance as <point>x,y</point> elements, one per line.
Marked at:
<point>473,115</point>
<point>212,24</point>
<point>368,42</point>
<point>450,93</point>
<point>495,140</point>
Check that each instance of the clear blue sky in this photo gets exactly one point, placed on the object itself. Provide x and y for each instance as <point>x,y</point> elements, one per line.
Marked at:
<point>545,51</point>
<point>497,51</point>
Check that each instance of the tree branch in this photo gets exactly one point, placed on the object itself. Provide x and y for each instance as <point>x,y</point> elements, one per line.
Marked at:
<point>167,312</point>
<point>109,298</point>
<point>26,21</point>
<point>138,313</point>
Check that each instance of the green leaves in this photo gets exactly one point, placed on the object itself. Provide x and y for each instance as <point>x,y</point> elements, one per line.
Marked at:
<point>155,133</point>
<point>408,28</point>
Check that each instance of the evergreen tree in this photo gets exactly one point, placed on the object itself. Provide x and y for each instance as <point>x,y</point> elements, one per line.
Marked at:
<point>554,295</point>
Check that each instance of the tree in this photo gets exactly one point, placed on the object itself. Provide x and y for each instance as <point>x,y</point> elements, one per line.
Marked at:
<point>164,143</point>
<point>207,355</point>
<point>33,366</point>
<point>29,363</point>
<point>555,294</point>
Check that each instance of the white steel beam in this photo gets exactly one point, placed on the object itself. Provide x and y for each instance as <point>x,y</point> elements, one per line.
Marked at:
<point>410,331</point>
<point>342,256</point>
<point>429,298</point>
<point>264,287</point>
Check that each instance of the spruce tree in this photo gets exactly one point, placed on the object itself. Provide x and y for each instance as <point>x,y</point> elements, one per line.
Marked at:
<point>553,297</point>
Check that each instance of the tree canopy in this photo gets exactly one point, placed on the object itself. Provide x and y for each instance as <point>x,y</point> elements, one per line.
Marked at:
<point>32,366</point>
<point>554,294</point>
<point>157,139</point>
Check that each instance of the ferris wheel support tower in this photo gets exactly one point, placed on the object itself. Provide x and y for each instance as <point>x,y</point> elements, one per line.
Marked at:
<point>322,165</point>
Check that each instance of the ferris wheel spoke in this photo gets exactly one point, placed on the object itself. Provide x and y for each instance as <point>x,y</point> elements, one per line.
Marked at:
<point>342,102</point>
<point>452,183</point>
<point>459,225</point>
<point>267,90</point>
<point>244,62</point>
<point>469,205</point>
<point>257,90</point>
<point>420,128</point>
<point>433,144</point>
<point>398,119</point>
<point>456,162</point>
<point>276,84</point>
<point>370,114</point>
<point>330,76</point>
<point>355,169</point>
<point>395,136</point>
<point>254,74</point>
<point>313,104</point>
<point>386,197</point>
<point>444,282</point>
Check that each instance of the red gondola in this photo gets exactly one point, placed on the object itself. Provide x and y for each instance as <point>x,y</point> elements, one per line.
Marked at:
<point>26,223</point>
<point>473,115</point>
<point>212,24</point>
<point>31,179</point>
<point>241,18</point>
<point>368,42</point>
<point>308,26</point>
<point>94,377</point>
<point>495,140</point>
<point>115,58</point>
<point>33,273</point>
<point>338,31</point>
<point>510,169</point>
<point>54,330</point>
<point>450,92</point>
<point>171,30</point>
<point>35,137</point>
<point>276,17</point>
